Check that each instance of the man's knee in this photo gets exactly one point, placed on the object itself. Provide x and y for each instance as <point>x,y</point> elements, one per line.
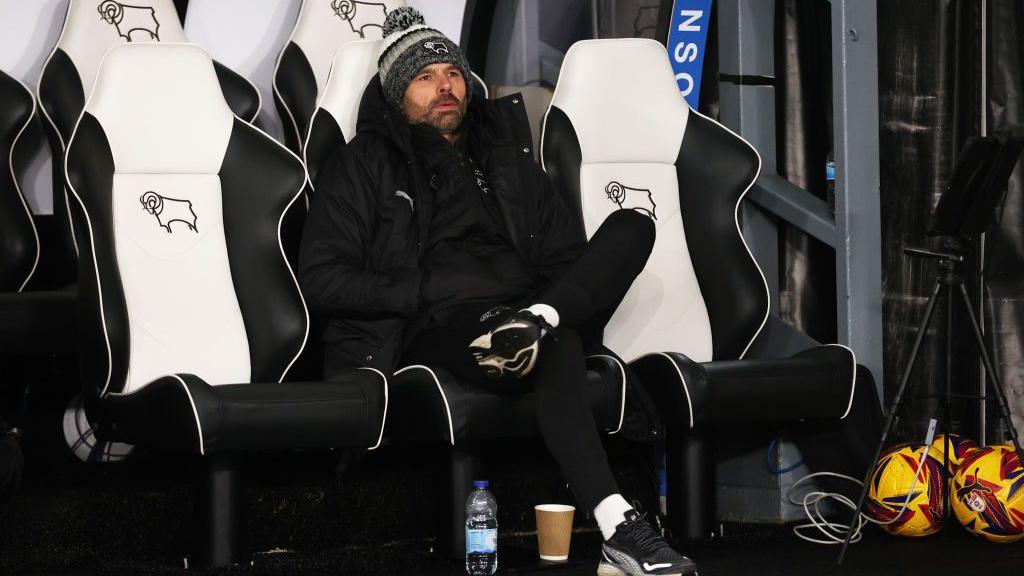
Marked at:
<point>630,229</point>
<point>560,354</point>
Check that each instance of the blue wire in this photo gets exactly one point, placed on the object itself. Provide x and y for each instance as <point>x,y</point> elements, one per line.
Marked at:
<point>779,471</point>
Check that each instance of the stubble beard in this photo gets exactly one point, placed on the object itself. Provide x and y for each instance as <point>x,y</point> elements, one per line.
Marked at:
<point>446,122</point>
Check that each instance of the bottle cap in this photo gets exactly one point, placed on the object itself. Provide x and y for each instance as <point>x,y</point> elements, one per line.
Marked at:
<point>480,484</point>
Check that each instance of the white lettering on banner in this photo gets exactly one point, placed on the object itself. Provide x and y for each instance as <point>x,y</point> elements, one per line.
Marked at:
<point>689,26</point>
<point>687,38</point>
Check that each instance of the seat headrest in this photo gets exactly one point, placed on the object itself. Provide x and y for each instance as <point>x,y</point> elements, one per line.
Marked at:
<point>323,26</point>
<point>615,90</point>
<point>354,65</point>
<point>162,109</point>
<point>91,27</point>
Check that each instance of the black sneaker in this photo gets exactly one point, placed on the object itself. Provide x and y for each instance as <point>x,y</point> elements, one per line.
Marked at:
<point>637,550</point>
<point>511,347</point>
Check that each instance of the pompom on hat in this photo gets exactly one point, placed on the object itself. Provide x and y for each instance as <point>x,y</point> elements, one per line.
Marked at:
<point>409,45</point>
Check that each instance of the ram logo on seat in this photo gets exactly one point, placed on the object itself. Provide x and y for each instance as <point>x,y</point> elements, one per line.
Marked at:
<point>639,199</point>
<point>360,15</point>
<point>168,210</point>
<point>130,20</point>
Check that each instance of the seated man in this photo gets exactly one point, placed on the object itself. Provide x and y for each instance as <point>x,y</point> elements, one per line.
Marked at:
<point>435,238</point>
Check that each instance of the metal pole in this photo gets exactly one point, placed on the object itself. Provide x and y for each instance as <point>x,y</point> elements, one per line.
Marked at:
<point>982,404</point>
<point>858,217</point>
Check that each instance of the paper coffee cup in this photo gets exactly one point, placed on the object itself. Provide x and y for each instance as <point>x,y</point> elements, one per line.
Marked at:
<point>554,531</point>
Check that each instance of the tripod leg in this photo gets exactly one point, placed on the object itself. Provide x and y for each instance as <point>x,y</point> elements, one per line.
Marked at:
<point>896,401</point>
<point>993,376</point>
<point>947,406</point>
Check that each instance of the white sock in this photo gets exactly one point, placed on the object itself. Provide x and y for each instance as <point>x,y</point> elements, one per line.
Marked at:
<point>610,512</point>
<point>548,313</point>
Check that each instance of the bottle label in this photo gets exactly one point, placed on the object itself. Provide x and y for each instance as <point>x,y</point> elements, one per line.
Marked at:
<point>481,541</point>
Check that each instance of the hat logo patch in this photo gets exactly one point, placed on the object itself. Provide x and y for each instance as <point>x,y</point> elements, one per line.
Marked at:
<point>360,15</point>
<point>437,47</point>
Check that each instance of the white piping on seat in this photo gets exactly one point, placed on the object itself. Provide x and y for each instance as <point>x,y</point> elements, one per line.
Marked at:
<point>273,84</point>
<point>17,188</point>
<point>259,98</point>
<point>384,419</point>
<point>483,85</point>
<point>60,138</point>
<point>739,231</point>
<point>444,398</point>
<point>853,384</point>
<point>305,146</point>
<point>199,425</point>
<point>92,244</point>
<point>191,401</point>
<point>686,389</point>
<point>622,402</point>
<point>280,244</point>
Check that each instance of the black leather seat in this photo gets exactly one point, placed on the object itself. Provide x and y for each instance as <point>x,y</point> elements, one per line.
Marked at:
<point>19,243</point>
<point>31,322</point>
<point>305,62</point>
<point>191,315</point>
<point>691,318</point>
<point>90,28</point>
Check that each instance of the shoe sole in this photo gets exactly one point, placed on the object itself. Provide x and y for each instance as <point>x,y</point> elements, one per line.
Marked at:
<point>606,569</point>
<point>495,365</point>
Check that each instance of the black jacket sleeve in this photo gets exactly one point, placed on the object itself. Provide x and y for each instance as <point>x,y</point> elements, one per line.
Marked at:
<point>560,236</point>
<point>333,259</point>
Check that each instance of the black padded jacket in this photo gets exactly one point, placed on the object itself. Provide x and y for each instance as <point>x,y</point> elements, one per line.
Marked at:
<point>359,262</point>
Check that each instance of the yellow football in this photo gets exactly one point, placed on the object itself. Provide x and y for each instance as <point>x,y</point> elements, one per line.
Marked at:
<point>900,504</point>
<point>988,493</point>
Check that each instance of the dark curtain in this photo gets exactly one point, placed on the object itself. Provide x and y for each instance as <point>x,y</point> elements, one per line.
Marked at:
<point>1004,251</point>
<point>803,101</point>
<point>929,104</point>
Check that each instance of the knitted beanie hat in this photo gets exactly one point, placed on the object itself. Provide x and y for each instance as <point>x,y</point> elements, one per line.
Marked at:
<point>409,45</point>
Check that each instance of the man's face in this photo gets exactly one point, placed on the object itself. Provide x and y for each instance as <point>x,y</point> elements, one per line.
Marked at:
<point>436,96</point>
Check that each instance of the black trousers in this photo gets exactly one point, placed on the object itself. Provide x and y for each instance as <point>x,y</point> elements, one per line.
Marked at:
<point>585,298</point>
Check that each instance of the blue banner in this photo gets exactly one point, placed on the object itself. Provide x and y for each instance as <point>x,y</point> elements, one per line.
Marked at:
<point>687,37</point>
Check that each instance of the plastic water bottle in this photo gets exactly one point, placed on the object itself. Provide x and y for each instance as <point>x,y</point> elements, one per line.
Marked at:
<point>481,531</point>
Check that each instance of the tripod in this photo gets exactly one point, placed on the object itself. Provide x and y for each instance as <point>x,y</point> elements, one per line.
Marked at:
<point>948,283</point>
<point>968,206</point>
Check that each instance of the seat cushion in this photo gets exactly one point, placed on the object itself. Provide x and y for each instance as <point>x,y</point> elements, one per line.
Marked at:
<point>429,405</point>
<point>816,384</point>
<point>183,413</point>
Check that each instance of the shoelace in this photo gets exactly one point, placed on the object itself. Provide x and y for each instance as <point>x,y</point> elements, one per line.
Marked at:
<point>646,538</point>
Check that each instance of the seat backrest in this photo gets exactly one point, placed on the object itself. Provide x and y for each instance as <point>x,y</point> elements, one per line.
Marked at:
<point>181,204</point>
<point>19,240</point>
<point>334,122</point>
<point>91,27</point>
<point>619,136</point>
<point>322,27</point>
<point>247,36</point>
